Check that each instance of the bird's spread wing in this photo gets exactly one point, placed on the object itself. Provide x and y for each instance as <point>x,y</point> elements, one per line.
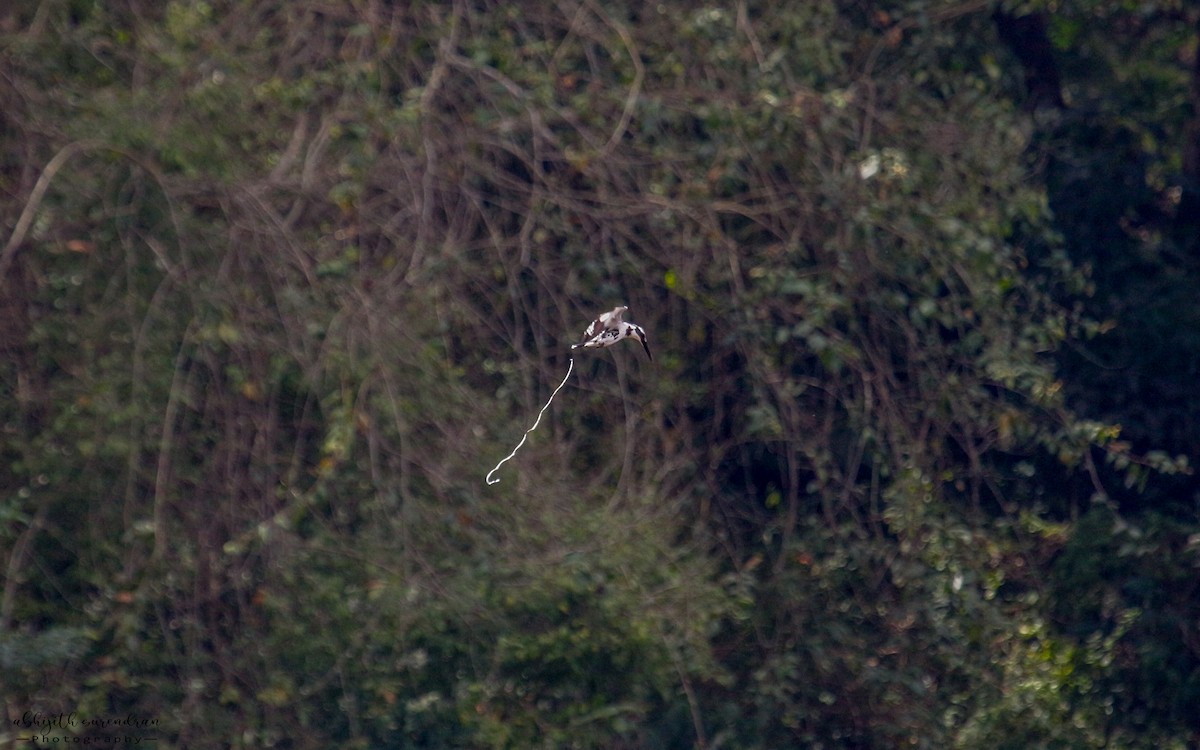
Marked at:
<point>592,330</point>
<point>612,318</point>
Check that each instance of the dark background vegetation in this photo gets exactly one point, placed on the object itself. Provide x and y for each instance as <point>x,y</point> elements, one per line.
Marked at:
<point>281,281</point>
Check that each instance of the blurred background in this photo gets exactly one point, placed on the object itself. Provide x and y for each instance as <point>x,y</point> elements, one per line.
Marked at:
<point>280,282</point>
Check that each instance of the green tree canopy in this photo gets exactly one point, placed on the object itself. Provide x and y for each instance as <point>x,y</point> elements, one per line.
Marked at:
<point>282,281</point>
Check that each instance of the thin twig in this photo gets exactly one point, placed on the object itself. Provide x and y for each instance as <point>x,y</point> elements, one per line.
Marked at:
<point>635,88</point>
<point>15,560</point>
<point>35,200</point>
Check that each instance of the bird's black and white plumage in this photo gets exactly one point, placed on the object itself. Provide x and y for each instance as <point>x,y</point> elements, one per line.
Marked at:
<point>608,329</point>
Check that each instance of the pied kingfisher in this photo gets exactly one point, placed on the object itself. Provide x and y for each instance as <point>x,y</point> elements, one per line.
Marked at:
<point>608,329</point>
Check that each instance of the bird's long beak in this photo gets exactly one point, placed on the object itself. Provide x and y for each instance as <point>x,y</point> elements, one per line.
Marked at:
<point>642,337</point>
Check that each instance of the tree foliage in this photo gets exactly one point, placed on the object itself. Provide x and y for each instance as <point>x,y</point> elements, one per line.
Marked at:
<point>282,281</point>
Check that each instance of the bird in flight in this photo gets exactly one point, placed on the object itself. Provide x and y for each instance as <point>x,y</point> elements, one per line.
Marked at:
<point>608,329</point>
